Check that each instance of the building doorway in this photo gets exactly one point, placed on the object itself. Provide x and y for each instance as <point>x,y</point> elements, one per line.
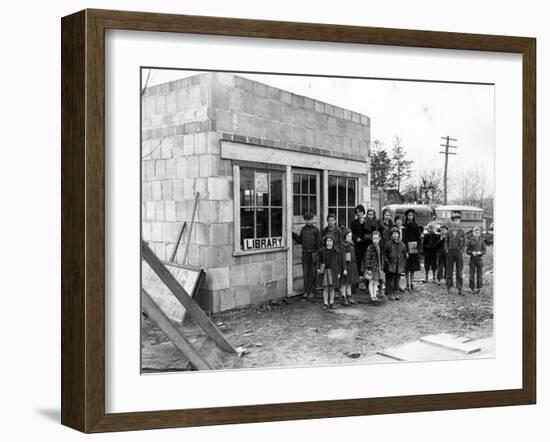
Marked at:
<point>306,197</point>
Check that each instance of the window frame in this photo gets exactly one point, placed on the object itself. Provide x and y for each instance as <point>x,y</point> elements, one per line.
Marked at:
<point>335,208</point>
<point>257,167</point>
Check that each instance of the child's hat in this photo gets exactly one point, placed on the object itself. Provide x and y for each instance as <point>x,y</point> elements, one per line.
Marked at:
<point>394,229</point>
<point>345,232</point>
<point>327,236</point>
<point>409,211</point>
<point>455,215</point>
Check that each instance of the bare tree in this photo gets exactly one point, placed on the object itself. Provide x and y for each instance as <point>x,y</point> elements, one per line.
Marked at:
<point>473,187</point>
<point>428,189</point>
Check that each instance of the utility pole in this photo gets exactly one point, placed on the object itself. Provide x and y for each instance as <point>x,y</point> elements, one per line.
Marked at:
<point>447,152</point>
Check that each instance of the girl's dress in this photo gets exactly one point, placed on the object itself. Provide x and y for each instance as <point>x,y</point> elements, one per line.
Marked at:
<point>411,235</point>
<point>374,261</point>
<point>330,262</point>
<point>348,251</point>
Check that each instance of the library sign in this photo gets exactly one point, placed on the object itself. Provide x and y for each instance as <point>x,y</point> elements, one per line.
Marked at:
<point>263,243</point>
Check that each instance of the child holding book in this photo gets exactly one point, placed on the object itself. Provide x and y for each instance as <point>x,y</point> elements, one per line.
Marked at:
<point>476,249</point>
<point>412,239</point>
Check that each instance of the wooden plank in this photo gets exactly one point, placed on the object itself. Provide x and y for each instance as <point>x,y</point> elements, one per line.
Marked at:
<point>184,261</point>
<point>289,241</point>
<point>172,332</point>
<point>452,343</point>
<point>324,213</point>
<point>421,351</point>
<point>189,278</point>
<point>239,151</point>
<point>180,236</point>
<point>236,208</point>
<point>191,306</point>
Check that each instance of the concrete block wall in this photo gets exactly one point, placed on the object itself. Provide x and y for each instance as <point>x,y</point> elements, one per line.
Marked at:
<point>251,109</point>
<point>183,124</point>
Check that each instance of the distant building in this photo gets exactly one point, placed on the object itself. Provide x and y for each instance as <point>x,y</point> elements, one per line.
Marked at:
<point>259,157</point>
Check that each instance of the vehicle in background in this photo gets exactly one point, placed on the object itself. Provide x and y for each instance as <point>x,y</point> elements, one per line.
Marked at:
<point>489,236</point>
<point>424,214</point>
<point>470,217</point>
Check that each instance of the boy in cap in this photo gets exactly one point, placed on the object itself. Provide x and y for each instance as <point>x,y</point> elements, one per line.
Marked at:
<point>476,249</point>
<point>455,242</point>
<point>310,239</point>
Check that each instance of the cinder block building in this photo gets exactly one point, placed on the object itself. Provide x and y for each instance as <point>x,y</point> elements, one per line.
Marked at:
<point>259,157</point>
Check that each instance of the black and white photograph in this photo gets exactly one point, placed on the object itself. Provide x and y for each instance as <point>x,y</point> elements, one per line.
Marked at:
<point>307,220</point>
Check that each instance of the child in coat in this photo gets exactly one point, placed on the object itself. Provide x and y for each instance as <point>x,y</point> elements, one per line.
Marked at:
<point>350,276</point>
<point>333,229</point>
<point>441,254</point>
<point>412,238</point>
<point>476,249</point>
<point>430,245</point>
<point>310,239</point>
<point>400,228</point>
<point>330,267</point>
<point>374,265</point>
<point>396,257</point>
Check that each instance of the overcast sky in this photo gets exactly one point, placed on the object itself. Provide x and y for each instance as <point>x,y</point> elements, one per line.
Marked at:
<point>419,113</point>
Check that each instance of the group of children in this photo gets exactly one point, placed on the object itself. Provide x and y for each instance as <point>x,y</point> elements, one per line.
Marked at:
<point>381,251</point>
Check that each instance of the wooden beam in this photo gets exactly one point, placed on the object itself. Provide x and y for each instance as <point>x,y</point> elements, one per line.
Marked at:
<point>236,208</point>
<point>260,154</point>
<point>289,212</point>
<point>190,228</point>
<point>176,245</point>
<point>179,292</point>
<point>324,213</point>
<point>172,332</point>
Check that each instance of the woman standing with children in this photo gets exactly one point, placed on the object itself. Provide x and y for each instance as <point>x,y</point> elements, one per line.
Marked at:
<point>412,238</point>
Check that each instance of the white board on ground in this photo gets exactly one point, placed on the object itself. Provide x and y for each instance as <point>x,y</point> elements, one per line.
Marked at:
<point>165,299</point>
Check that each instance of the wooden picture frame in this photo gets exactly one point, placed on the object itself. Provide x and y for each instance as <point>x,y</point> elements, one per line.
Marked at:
<point>83,220</point>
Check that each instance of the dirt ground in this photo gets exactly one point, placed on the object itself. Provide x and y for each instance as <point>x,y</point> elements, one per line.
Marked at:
<point>300,333</point>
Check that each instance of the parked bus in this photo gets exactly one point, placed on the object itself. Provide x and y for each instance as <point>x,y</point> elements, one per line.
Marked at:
<point>424,214</point>
<point>470,216</point>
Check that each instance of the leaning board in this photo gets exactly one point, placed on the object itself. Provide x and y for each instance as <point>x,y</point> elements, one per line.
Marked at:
<point>189,278</point>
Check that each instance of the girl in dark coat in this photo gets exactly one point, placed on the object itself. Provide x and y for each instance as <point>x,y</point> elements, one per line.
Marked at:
<point>384,227</point>
<point>350,275</point>
<point>412,239</point>
<point>396,257</point>
<point>374,265</point>
<point>359,234</point>
<point>330,266</point>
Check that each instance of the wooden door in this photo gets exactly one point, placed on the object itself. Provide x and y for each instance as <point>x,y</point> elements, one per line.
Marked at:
<point>306,197</point>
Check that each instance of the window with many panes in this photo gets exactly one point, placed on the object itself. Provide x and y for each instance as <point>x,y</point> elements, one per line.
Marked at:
<point>342,198</point>
<point>261,203</point>
<point>304,191</point>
